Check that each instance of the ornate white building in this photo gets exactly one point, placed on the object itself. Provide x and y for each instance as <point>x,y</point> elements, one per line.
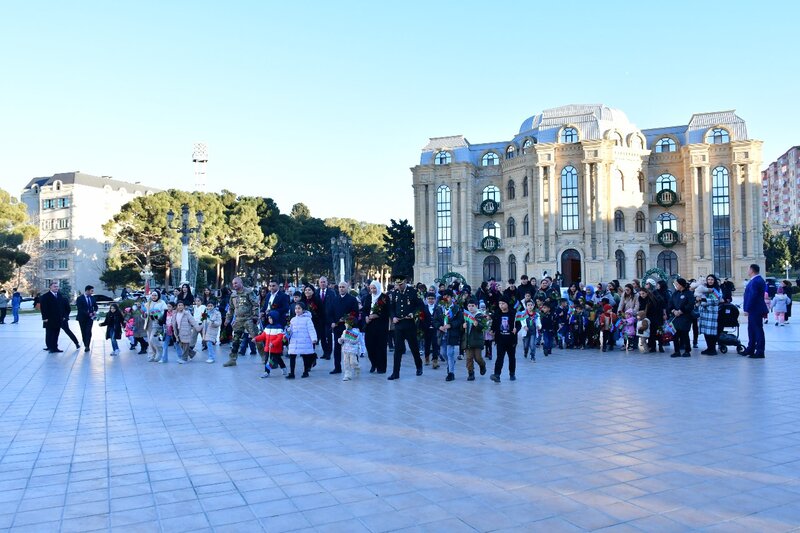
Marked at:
<point>70,209</point>
<point>582,190</point>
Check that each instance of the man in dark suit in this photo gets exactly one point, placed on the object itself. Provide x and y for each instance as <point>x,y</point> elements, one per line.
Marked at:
<point>344,304</point>
<point>87,311</point>
<point>755,308</point>
<point>403,309</point>
<point>327,296</point>
<point>277,301</point>
<point>52,308</point>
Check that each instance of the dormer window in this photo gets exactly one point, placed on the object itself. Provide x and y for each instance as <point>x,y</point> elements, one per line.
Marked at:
<point>490,159</point>
<point>442,158</point>
<point>569,135</point>
<point>718,136</point>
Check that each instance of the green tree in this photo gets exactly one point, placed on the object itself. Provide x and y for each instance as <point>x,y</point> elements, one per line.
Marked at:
<point>14,231</point>
<point>399,246</point>
<point>117,278</point>
<point>776,250</point>
<point>368,240</point>
<point>794,246</point>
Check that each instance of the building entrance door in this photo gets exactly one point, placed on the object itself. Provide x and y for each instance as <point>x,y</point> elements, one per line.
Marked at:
<point>570,267</point>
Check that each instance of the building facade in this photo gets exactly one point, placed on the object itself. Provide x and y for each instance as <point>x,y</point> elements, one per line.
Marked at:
<point>70,210</point>
<point>780,184</point>
<point>582,191</point>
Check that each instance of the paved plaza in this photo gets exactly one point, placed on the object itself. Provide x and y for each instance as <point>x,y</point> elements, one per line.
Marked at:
<point>583,440</point>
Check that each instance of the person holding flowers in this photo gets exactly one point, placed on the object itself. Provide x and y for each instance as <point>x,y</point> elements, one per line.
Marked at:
<point>376,326</point>
<point>449,323</point>
<point>475,325</point>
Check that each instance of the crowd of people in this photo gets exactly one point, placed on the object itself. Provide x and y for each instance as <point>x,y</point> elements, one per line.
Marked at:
<point>439,325</point>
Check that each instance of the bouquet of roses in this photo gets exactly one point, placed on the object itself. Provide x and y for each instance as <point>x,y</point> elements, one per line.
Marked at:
<point>349,320</point>
<point>204,316</point>
<point>378,305</point>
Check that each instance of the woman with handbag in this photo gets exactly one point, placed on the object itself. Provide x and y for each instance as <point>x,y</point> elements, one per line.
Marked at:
<point>682,312</point>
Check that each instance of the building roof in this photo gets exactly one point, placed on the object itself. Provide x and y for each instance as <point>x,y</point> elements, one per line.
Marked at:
<point>591,120</point>
<point>79,178</point>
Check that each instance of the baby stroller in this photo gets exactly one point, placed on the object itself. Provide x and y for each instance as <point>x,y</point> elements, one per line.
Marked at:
<point>728,324</point>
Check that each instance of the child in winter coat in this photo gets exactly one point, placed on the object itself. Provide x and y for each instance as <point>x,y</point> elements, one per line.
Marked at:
<point>448,322</point>
<point>169,335</point>
<point>273,338</point>
<point>779,306</point>
<point>302,341</point>
<point>549,327</point>
<point>139,321</point>
<point>643,330</point>
<point>488,335</point>
<point>630,330</point>
<point>185,329</point>
<point>198,311</point>
<point>211,320</point>
<point>532,326</point>
<point>475,322</point>
<point>129,324</point>
<point>350,350</point>
<point>607,320</point>
<point>113,323</point>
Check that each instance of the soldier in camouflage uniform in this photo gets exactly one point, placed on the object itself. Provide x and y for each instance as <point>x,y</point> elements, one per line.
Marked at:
<point>242,315</point>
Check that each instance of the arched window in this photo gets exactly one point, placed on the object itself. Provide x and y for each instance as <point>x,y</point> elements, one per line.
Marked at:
<point>665,144</point>
<point>666,181</point>
<point>666,221</point>
<point>511,227</point>
<point>491,268</point>
<point>721,221</point>
<point>718,136</point>
<point>526,225</point>
<point>526,145</point>
<point>641,182</point>
<point>569,135</point>
<point>490,192</point>
<point>619,257</point>
<point>619,220</point>
<point>512,267</point>
<point>640,264</point>
<point>569,198</point>
<point>491,229</point>
<point>490,159</point>
<point>621,178</point>
<point>57,185</point>
<point>444,245</point>
<point>617,137</point>
<point>640,222</point>
<point>442,158</point>
<point>511,191</point>
<point>511,152</point>
<point>525,263</point>
<point>668,262</point>
<point>525,187</point>
<point>637,142</point>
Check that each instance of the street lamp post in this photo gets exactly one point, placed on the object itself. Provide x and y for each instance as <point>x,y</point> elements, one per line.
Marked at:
<point>185,232</point>
<point>146,276</point>
<point>786,266</point>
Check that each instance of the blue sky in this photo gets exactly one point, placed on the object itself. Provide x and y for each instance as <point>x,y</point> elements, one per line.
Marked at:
<point>329,103</point>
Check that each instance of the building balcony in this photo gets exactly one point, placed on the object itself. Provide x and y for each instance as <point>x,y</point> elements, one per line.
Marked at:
<point>653,199</point>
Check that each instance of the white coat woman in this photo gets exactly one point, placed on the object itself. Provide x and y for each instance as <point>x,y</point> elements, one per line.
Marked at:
<point>155,311</point>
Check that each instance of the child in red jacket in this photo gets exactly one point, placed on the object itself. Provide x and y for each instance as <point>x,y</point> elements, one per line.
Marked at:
<point>273,338</point>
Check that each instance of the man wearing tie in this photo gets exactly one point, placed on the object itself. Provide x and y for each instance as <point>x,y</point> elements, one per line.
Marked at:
<point>87,311</point>
<point>51,305</point>
<point>327,297</point>
<point>755,309</point>
<point>344,304</point>
<point>277,301</point>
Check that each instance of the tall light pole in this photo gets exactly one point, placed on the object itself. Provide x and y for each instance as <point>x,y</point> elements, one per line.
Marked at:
<point>185,232</point>
<point>787,265</point>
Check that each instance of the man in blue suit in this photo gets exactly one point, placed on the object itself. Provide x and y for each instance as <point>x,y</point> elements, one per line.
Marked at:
<point>755,308</point>
<point>278,301</point>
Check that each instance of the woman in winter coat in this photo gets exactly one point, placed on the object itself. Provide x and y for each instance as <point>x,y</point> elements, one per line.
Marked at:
<point>113,323</point>
<point>654,312</point>
<point>156,311</point>
<point>184,327</point>
<point>376,326</point>
<point>302,341</point>
<point>681,310</point>
<point>708,297</point>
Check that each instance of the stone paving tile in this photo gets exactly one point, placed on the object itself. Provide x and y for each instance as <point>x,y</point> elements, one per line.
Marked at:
<point>583,440</point>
